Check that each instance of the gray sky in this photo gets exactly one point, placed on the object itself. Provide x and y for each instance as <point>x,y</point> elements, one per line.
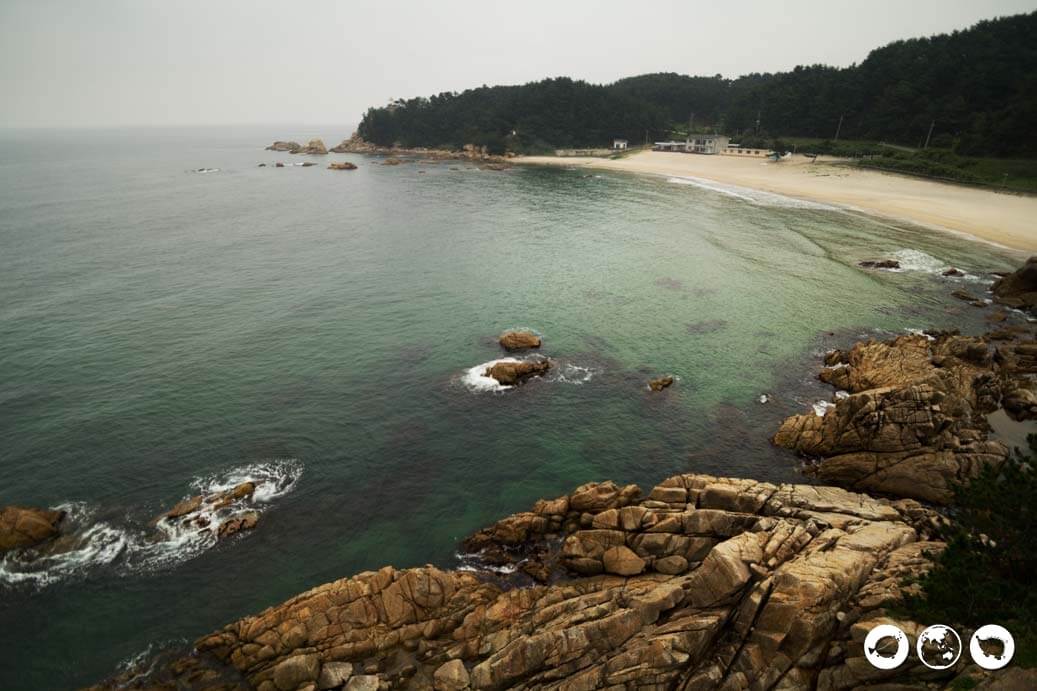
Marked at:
<point>168,62</point>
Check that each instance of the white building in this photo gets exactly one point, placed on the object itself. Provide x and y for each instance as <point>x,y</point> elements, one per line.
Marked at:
<point>697,144</point>
<point>619,144</point>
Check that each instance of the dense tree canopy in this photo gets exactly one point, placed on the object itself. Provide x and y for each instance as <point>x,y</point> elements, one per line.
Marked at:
<point>979,86</point>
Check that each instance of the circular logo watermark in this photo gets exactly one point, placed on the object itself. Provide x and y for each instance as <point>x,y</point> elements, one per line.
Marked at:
<point>992,647</point>
<point>938,647</point>
<point>879,656</point>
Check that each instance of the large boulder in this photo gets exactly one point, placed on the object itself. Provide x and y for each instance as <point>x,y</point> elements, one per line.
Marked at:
<point>26,527</point>
<point>660,383</point>
<point>1019,288</point>
<point>342,165</point>
<point>519,340</point>
<point>510,373</point>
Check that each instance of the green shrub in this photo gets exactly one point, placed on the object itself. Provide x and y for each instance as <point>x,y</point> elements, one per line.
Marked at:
<point>986,574</point>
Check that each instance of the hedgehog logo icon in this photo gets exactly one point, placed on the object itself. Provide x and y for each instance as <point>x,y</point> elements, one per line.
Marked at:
<point>879,646</point>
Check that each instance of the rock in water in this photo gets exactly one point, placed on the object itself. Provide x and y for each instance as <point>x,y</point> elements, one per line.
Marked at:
<point>879,264</point>
<point>391,161</point>
<point>953,272</point>
<point>25,527</point>
<point>344,165</point>
<point>314,146</point>
<point>1019,288</point>
<point>512,373</point>
<point>290,147</point>
<point>660,383</point>
<point>519,340</point>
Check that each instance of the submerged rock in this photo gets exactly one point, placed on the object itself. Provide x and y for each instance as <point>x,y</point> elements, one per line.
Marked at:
<point>512,373</point>
<point>392,161</point>
<point>519,340</point>
<point>953,272</point>
<point>200,511</point>
<point>342,165</point>
<point>22,526</point>
<point>879,264</point>
<point>660,383</point>
<point>1019,288</point>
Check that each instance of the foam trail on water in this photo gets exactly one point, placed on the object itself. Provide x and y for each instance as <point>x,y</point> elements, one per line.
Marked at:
<point>475,380</point>
<point>746,194</point>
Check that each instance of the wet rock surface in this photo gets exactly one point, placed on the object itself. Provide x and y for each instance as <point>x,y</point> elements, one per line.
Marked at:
<point>26,527</point>
<point>1019,288</point>
<point>511,373</point>
<point>660,383</point>
<point>705,583</point>
<point>519,340</point>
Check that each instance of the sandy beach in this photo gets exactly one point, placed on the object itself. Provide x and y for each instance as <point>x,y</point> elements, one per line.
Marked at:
<point>1009,220</point>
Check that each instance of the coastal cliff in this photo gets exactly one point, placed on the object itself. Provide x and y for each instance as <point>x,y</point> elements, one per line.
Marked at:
<point>704,582</point>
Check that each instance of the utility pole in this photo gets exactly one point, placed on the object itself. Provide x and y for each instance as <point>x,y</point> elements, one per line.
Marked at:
<point>691,123</point>
<point>931,126</point>
<point>757,123</point>
<point>840,127</point>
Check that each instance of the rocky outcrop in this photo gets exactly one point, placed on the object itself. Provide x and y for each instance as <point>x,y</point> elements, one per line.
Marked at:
<point>914,421</point>
<point>221,512</point>
<point>342,165</point>
<point>1019,288</point>
<point>314,146</point>
<point>289,147</point>
<point>27,527</point>
<point>510,373</point>
<point>706,583</point>
<point>519,340</point>
<point>470,152</point>
<point>660,383</point>
<point>879,264</point>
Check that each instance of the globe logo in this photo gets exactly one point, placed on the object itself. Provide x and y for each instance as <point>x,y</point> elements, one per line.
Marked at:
<point>886,646</point>
<point>938,647</point>
<point>992,647</point>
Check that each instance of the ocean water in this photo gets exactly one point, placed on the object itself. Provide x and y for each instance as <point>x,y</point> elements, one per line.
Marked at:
<point>165,331</point>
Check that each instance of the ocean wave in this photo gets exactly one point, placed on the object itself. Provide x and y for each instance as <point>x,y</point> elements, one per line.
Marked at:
<point>476,381</point>
<point>88,544</point>
<point>570,373</point>
<point>822,407</point>
<point>746,194</point>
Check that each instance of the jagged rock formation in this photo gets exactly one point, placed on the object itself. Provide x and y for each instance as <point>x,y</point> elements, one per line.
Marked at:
<point>660,383</point>
<point>290,147</point>
<point>314,146</point>
<point>519,340</point>
<point>914,422</point>
<point>470,152</point>
<point>879,264</point>
<point>1019,288</point>
<point>221,511</point>
<point>722,584</point>
<point>510,373</point>
<point>25,527</point>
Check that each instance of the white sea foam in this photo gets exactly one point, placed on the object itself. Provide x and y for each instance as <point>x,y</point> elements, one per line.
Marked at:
<point>916,260</point>
<point>475,379</point>
<point>764,398</point>
<point>575,374</point>
<point>842,395</point>
<point>87,544</point>
<point>920,332</point>
<point>747,194</point>
<point>822,407</point>
<point>205,171</point>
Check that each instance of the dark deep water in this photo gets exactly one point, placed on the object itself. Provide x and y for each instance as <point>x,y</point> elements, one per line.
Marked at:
<point>162,330</point>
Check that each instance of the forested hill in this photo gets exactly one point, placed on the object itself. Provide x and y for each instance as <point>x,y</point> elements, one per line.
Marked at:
<point>978,85</point>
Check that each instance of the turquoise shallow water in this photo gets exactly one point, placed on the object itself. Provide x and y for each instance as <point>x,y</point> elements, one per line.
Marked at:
<point>161,326</point>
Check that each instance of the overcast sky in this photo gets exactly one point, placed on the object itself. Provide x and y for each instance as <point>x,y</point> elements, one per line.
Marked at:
<point>169,62</point>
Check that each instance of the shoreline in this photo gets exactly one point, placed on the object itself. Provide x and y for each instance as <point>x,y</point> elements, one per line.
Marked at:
<point>1003,220</point>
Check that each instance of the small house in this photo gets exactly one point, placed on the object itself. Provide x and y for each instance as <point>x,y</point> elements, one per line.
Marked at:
<point>619,144</point>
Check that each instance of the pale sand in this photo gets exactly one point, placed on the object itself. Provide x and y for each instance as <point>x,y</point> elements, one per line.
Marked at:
<point>1009,220</point>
